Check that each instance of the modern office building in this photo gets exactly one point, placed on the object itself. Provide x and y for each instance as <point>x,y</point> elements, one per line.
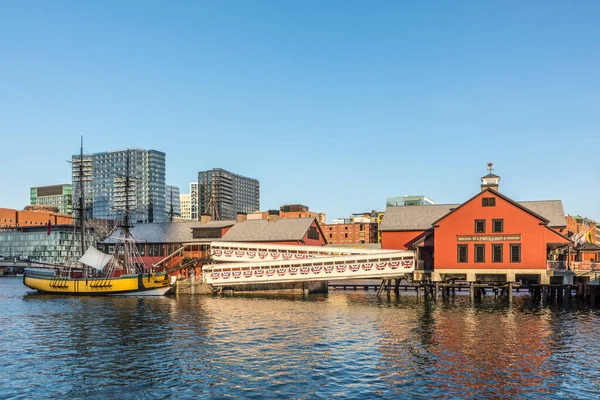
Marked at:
<point>59,196</point>
<point>42,243</point>
<point>194,202</point>
<point>223,194</point>
<point>172,200</point>
<point>408,201</point>
<point>185,204</point>
<point>106,177</point>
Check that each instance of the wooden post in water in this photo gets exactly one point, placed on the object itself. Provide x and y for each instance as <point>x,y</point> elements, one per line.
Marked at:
<point>544,294</point>
<point>510,292</point>
<point>397,287</point>
<point>472,290</point>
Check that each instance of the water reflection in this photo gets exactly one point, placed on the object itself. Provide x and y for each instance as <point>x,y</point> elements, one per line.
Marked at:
<point>343,344</point>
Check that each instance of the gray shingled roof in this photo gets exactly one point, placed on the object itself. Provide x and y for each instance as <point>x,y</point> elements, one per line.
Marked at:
<point>168,232</point>
<point>588,246</point>
<point>417,218</point>
<point>552,210</point>
<point>262,230</point>
<point>413,218</point>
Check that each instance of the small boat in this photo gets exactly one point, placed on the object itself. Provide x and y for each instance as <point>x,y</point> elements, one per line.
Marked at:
<point>57,282</point>
<point>97,273</point>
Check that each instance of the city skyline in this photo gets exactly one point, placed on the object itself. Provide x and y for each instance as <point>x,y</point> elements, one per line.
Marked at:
<point>337,106</point>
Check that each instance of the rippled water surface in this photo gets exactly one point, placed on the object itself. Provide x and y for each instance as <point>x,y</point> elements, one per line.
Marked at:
<point>345,344</point>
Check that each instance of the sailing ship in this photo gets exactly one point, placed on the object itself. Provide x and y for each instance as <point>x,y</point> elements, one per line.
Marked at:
<point>97,273</point>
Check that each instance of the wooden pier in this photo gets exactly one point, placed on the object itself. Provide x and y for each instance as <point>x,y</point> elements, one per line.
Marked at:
<point>548,293</point>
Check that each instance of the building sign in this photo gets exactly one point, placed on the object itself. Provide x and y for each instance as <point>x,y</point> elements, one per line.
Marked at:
<point>488,238</point>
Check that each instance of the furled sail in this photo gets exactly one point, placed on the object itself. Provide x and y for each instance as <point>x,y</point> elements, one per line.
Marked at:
<point>95,258</point>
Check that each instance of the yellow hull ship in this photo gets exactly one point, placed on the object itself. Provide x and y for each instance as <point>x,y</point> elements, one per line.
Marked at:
<point>147,284</point>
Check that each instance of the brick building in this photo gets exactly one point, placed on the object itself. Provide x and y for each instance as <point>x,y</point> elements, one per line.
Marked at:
<point>352,233</point>
<point>10,218</point>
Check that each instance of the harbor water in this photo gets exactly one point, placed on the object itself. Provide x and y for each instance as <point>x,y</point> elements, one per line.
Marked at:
<point>344,344</point>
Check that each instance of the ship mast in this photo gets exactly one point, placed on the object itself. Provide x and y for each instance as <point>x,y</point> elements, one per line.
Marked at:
<point>171,209</point>
<point>126,225</point>
<point>82,205</point>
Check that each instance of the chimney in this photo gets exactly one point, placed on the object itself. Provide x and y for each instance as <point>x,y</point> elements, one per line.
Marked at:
<point>205,219</point>
<point>273,215</point>
<point>241,217</point>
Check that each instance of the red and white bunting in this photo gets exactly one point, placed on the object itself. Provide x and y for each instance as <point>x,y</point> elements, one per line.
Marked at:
<point>316,269</point>
<point>293,270</point>
<point>262,254</point>
<point>247,274</point>
<point>251,254</point>
<point>281,271</point>
<point>407,263</point>
<point>354,267</point>
<point>380,265</point>
<point>259,273</point>
<point>237,274</point>
<point>367,266</point>
<point>328,269</point>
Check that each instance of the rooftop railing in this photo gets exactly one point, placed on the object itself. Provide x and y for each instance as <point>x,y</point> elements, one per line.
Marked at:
<point>552,265</point>
<point>591,266</point>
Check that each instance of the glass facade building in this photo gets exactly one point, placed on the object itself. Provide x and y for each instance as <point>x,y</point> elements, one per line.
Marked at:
<point>105,184</point>
<point>59,196</point>
<point>223,194</point>
<point>172,199</point>
<point>62,244</point>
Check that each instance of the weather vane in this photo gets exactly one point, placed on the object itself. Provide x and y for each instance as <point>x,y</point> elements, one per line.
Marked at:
<point>490,167</point>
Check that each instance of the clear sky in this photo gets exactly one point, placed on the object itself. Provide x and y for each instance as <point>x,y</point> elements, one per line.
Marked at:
<point>332,104</point>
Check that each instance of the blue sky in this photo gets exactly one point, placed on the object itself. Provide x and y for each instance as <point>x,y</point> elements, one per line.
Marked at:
<point>332,104</point>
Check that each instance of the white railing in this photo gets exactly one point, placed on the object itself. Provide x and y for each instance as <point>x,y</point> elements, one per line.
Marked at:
<point>590,266</point>
<point>389,264</point>
<point>244,252</point>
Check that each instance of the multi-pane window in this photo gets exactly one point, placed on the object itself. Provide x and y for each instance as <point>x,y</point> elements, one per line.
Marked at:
<point>497,253</point>
<point>488,201</point>
<point>463,253</point>
<point>479,253</point>
<point>497,225</point>
<point>480,226</point>
<point>515,253</point>
<point>313,233</point>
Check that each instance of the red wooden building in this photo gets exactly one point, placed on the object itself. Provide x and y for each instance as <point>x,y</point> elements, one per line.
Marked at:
<point>488,237</point>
